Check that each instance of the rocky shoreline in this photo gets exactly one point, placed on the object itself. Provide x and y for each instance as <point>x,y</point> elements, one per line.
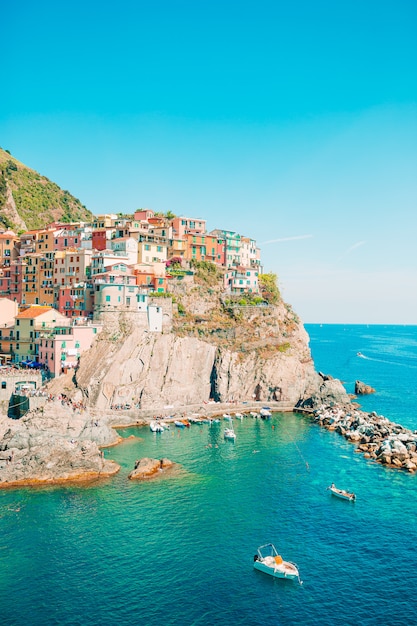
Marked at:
<point>63,442</point>
<point>376,437</point>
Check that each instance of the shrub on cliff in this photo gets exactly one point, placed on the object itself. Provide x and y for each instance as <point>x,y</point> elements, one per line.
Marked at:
<point>206,272</point>
<point>269,288</point>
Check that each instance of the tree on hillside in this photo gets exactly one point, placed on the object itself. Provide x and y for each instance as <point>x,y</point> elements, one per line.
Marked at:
<point>269,288</point>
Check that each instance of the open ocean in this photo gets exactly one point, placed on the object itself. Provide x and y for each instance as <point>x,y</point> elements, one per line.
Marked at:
<point>179,551</point>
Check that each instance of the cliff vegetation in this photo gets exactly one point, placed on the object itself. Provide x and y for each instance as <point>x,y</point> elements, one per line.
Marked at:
<point>29,200</point>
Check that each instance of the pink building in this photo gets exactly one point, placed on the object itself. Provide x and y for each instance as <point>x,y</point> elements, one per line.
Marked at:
<point>61,348</point>
<point>188,225</point>
<point>66,238</point>
<point>76,300</point>
<point>143,215</point>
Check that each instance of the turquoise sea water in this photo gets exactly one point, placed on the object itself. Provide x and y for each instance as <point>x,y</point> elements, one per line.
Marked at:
<point>180,550</point>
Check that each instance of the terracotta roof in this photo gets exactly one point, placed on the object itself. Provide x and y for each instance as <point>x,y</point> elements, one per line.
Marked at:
<point>8,234</point>
<point>34,311</point>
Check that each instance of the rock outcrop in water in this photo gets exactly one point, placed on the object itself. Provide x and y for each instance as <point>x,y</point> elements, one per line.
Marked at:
<point>149,468</point>
<point>362,389</point>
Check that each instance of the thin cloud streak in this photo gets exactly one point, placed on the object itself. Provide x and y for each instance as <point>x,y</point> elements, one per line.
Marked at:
<point>297,237</point>
<point>356,245</point>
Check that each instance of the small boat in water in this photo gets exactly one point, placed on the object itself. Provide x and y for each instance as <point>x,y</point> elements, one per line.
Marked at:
<point>268,560</point>
<point>179,424</point>
<point>156,427</point>
<point>341,493</point>
<point>229,433</point>
<point>227,416</point>
<point>265,412</point>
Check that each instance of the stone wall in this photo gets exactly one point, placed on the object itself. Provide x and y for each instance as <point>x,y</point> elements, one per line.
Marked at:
<point>10,382</point>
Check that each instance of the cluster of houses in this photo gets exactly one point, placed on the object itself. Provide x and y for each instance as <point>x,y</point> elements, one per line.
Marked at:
<point>55,282</point>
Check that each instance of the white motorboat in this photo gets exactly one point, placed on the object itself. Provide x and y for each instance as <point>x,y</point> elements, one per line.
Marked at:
<point>227,416</point>
<point>265,412</point>
<point>239,416</point>
<point>156,427</point>
<point>229,433</point>
<point>341,493</point>
<point>268,560</point>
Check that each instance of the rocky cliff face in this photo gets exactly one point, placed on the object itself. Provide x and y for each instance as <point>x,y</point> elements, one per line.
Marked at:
<point>247,353</point>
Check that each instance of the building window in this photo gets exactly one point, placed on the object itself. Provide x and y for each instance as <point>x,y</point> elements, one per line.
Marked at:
<point>107,298</point>
<point>3,384</point>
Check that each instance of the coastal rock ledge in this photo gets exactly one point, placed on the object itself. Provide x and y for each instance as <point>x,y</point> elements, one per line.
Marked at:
<point>54,445</point>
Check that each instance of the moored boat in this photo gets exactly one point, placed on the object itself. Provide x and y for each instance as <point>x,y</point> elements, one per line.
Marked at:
<point>229,433</point>
<point>341,493</point>
<point>268,560</point>
<point>156,427</point>
<point>265,412</point>
<point>179,424</point>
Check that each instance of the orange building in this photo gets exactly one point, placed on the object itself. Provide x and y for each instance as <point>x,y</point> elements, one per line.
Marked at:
<point>201,248</point>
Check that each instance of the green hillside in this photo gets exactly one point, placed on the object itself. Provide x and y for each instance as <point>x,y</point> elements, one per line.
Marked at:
<point>37,200</point>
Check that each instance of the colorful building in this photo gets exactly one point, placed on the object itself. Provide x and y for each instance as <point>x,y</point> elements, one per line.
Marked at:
<point>75,301</point>
<point>28,324</point>
<point>152,249</point>
<point>187,225</point>
<point>241,280</point>
<point>60,349</point>
<point>151,276</point>
<point>201,247</point>
<point>232,246</point>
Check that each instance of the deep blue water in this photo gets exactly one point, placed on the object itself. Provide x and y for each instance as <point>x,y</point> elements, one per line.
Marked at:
<point>180,551</point>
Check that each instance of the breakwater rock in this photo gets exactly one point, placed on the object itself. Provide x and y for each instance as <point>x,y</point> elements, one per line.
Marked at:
<point>376,437</point>
<point>149,468</point>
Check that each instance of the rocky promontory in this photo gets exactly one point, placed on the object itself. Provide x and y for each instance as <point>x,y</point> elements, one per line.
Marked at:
<point>52,445</point>
<point>211,355</point>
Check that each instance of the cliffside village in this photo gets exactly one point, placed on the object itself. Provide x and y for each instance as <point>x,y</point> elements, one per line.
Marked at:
<point>56,282</point>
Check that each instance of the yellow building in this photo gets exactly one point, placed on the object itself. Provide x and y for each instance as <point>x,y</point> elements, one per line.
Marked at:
<point>28,325</point>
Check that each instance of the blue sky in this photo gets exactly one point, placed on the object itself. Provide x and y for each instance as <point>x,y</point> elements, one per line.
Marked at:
<point>293,123</point>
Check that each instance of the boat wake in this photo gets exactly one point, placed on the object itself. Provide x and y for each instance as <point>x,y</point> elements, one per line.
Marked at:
<point>370,358</point>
